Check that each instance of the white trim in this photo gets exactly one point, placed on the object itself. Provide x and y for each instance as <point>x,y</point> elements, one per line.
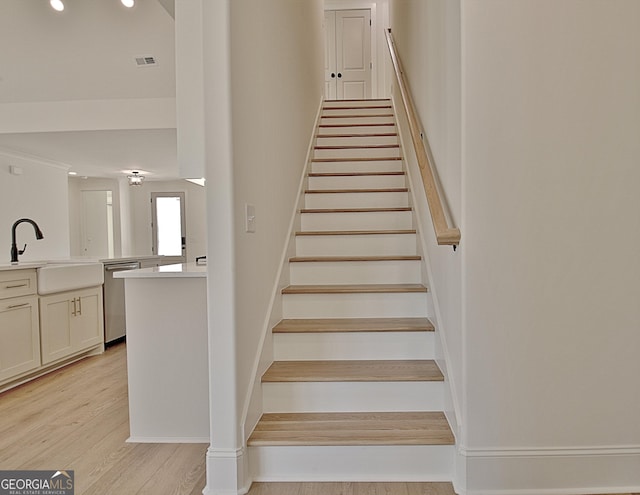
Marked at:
<point>564,491</point>
<point>88,115</point>
<point>138,439</point>
<point>277,285</point>
<point>549,451</point>
<point>551,471</point>
<point>20,155</point>
<point>227,472</point>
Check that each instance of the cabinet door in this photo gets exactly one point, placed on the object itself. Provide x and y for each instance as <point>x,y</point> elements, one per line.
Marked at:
<point>55,326</point>
<point>19,336</point>
<point>87,325</point>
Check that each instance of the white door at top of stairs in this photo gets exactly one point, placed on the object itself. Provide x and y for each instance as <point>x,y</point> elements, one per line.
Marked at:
<point>347,70</point>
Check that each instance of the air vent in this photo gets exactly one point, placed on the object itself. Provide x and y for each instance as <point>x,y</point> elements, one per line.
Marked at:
<point>146,61</point>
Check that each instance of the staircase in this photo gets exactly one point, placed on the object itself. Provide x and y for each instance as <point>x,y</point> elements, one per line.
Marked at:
<point>354,392</point>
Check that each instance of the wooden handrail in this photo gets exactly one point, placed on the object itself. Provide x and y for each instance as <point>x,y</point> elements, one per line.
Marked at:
<point>445,234</point>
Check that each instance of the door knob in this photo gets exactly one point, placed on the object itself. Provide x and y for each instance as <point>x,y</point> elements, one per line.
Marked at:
<point>333,75</point>
<point>339,74</point>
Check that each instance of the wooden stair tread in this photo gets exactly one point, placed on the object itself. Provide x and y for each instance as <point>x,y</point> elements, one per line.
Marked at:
<point>359,100</point>
<point>328,325</point>
<point>304,259</point>
<point>364,124</point>
<point>354,174</point>
<point>355,289</point>
<point>355,210</point>
<point>424,370</point>
<point>357,107</point>
<point>356,135</point>
<point>358,159</point>
<point>357,147</point>
<point>377,428</point>
<point>356,116</point>
<point>350,191</point>
<point>355,232</point>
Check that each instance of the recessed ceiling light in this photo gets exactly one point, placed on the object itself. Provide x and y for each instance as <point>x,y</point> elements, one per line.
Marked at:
<point>128,3</point>
<point>73,173</point>
<point>57,5</point>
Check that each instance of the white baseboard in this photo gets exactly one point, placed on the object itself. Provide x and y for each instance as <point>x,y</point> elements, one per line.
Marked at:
<point>558,471</point>
<point>227,472</point>
<point>139,439</point>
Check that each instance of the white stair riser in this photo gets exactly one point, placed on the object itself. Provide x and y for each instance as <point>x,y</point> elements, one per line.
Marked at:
<point>357,182</point>
<point>351,166</point>
<point>404,463</point>
<point>357,200</point>
<point>356,245</point>
<point>357,120</point>
<point>357,140</point>
<point>355,305</point>
<point>355,272</point>
<point>356,153</point>
<point>353,345</point>
<point>385,220</point>
<point>381,109</point>
<point>352,396</point>
<point>355,129</point>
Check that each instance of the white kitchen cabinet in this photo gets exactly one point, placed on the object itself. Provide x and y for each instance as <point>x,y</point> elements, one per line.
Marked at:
<point>70,322</point>
<point>19,336</point>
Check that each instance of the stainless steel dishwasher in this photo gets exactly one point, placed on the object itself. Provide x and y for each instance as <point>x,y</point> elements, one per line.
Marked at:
<point>115,325</point>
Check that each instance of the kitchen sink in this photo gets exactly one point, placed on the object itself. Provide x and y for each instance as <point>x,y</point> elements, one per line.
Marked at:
<point>59,277</point>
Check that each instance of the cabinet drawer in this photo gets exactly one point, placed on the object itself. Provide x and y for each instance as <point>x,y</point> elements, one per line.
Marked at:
<point>16,283</point>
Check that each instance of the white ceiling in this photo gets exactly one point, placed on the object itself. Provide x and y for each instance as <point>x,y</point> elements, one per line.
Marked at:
<point>87,52</point>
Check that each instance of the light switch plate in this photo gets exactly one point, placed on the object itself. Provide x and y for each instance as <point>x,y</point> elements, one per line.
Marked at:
<point>249,218</point>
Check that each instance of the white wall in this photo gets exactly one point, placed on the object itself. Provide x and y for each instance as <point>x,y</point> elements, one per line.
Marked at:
<point>541,174</point>
<point>551,228</point>
<point>40,193</point>
<point>552,220</point>
<point>140,208</point>
<point>427,36</point>
<point>277,85</point>
<point>263,85</point>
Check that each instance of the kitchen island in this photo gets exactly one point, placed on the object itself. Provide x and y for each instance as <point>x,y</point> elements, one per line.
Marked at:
<point>167,353</point>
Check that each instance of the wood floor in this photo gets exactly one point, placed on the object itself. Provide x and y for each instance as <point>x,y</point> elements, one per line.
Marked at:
<point>77,419</point>
<point>351,489</point>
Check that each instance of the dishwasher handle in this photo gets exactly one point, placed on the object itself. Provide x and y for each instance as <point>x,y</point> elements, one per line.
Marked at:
<point>121,266</point>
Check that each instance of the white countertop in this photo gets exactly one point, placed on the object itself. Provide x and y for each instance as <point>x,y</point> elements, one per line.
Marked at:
<point>179,270</point>
<point>22,265</point>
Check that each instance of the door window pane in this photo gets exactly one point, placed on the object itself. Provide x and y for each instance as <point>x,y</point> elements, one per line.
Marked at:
<point>169,226</point>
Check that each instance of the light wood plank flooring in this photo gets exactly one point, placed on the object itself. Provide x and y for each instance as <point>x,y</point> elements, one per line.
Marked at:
<point>77,418</point>
<point>351,489</point>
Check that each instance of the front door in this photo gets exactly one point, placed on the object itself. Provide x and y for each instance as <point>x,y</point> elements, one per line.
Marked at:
<point>347,54</point>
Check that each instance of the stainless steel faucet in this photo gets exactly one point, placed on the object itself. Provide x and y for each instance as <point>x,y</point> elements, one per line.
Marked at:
<point>14,248</point>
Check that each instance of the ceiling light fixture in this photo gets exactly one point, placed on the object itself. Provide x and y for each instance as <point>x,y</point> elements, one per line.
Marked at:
<point>135,179</point>
<point>128,3</point>
<point>57,5</point>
